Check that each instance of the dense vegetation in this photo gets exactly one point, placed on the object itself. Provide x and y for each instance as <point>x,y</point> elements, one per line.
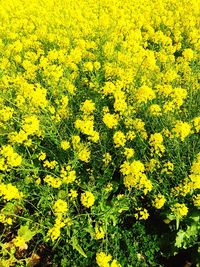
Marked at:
<point>99,132</point>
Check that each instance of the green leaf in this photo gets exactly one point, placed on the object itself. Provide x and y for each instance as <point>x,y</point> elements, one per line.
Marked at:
<point>90,230</point>
<point>26,233</point>
<point>77,246</point>
<point>180,238</point>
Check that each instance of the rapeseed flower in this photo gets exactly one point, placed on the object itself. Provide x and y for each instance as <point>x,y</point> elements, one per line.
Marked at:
<point>87,199</point>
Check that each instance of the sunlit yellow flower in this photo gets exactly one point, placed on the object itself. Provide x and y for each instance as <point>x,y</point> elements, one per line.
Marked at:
<point>87,199</point>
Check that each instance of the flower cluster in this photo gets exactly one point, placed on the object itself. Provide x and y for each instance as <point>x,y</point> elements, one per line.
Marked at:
<point>105,260</point>
<point>135,176</point>
<point>87,199</point>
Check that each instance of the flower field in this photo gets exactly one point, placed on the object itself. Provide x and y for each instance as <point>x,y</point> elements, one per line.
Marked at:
<point>99,132</point>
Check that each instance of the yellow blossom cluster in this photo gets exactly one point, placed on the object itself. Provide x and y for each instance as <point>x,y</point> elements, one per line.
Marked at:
<point>119,139</point>
<point>60,207</point>
<point>159,201</point>
<point>141,214</point>
<point>4,219</point>
<point>156,143</point>
<point>87,199</point>
<point>67,174</point>
<point>144,94</point>
<point>105,260</point>
<point>196,200</point>
<point>9,158</point>
<point>110,120</point>
<point>53,181</point>
<point>134,176</point>
<point>99,232</point>
<point>9,192</point>
<point>30,126</point>
<point>182,130</point>
<point>65,145</point>
<point>179,210</point>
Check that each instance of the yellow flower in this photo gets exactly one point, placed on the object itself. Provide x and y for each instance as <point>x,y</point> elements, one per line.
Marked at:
<point>120,104</point>
<point>75,141</point>
<point>97,65</point>
<point>159,201</point>
<point>9,192</point>
<point>87,106</point>
<point>196,200</point>
<point>84,153</point>
<point>68,175</point>
<point>31,125</point>
<point>109,187</point>
<point>182,130</point>
<point>119,139</point>
<point>73,194</point>
<point>156,142</point>
<point>135,177</point>
<point>110,120</point>
<point>103,259</point>
<point>129,152</point>
<point>42,156</point>
<point>142,214</point>
<point>54,182</point>
<point>55,232</point>
<point>6,114</point>
<point>86,126</point>
<point>19,137</point>
<point>60,206</point>
<point>179,210</point>
<point>87,199</point>
<point>196,123</point>
<point>195,173</point>
<point>188,54</point>
<point>178,95</point>
<point>99,232</point>
<point>88,66</point>
<point>168,168</point>
<point>13,159</point>
<point>144,93</point>
<point>114,263</point>
<point>50,164</point>
<point>152,165</point>
<point>155,110</point>
<point>107,158</point>
<point>108,88</point>
<point>64,145</point>
<point>20,242</point>
<point>130,135</point>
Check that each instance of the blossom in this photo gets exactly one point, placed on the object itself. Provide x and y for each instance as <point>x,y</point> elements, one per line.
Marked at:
<point>156,142</point>
<point>141,214</point>
<point>9,192</point>
<point>182,130</point>
<point>87,199</point>
<point>144,94</point>
<point>110,120</point>
<point>179,210</point>
<point>119,139</point>
<point>103,259</point>
<point>88,106</point>
<point>99,232</point>
<point>64,145</point>
<point>60,206</point>
<point>159,201</point>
